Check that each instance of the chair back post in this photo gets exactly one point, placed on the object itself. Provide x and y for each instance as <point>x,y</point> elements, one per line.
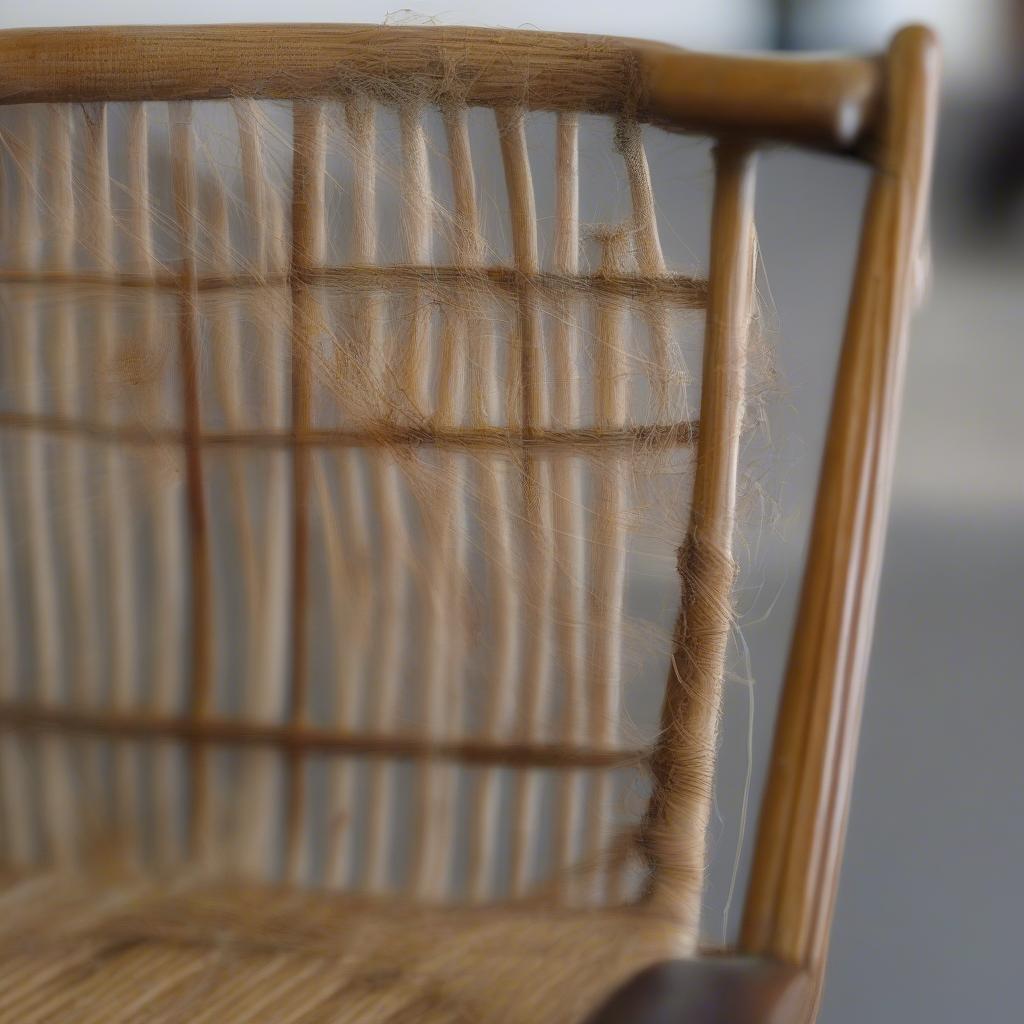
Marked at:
<point>793,885</point>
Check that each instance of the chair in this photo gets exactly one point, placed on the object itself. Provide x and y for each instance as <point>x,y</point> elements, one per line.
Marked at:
<point>319,474</point>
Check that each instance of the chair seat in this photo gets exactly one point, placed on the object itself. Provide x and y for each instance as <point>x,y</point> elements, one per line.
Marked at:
<point>93,948</point>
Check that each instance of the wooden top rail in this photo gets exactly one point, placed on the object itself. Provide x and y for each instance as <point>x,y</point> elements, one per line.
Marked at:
<point>827,103</point>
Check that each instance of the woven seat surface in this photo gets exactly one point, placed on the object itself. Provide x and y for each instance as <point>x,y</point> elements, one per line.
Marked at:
<point>188,949</point>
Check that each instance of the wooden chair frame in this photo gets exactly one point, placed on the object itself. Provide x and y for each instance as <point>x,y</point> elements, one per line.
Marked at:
<point>879,111</point>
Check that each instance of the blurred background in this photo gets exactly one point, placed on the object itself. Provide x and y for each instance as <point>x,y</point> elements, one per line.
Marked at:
<point>930,901</point>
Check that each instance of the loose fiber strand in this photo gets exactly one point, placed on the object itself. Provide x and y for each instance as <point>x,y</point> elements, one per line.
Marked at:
<point>349,558</point>
<point>416,233</point>
<point>162,479</point>
<point>42,580</point>
<point>349,613</point>
<point>202,668</point>
<point>393,542</point>
<point>434,796</point>
<point>264,699</point>
<point>568,494</point>
<point>447,570</point>
<point>72,495</point>
<point>226,352</point>
<point>536,483</point>
<point>609,553</point>
<point>651,262</point>
<point>308,242</point>
<point>118,525</point>
<point>491,475</point>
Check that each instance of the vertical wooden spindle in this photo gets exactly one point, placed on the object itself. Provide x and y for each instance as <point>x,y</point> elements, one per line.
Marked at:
<point>393,541</point>
<point>568,496</point>
<point>201,669</point>
<point>307,253</point>
<point>608,541</point>
<point>164,496</point>
<point>26,342</point>
<point>495,517</point>
<point>674,831</point>
<point>651,264</point>
<point>538,547</point>
<point>116,518</point>
<point>435,783</point>
<point>257,841</point>
<point>350,556</point>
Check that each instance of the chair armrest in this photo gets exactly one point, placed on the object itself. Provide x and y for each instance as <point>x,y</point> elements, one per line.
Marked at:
<point>711,990</point>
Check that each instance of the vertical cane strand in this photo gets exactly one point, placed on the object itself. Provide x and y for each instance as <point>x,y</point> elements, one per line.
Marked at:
<point>307,251</point>
<point>201,672</point>
<point>27,341</point>
<point>268,307</point>
<point>496,524</point>
<point>392,592</point>
<point>164,496</point>
<point>568,493</point>
<point>538,569</point>
<point>609,555</point>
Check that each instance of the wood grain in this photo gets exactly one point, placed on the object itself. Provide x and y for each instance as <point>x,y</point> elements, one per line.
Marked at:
<point>828,103</point>
<point>803,818</point>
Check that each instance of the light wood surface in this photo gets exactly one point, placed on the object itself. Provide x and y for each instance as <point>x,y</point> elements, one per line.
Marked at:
<point>827,103</point>
<point>803,819</point>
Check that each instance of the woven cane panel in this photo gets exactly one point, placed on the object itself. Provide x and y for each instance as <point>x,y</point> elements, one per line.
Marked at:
<point>344,444</point>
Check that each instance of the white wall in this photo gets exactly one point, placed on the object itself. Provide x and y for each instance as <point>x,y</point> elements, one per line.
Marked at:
<point>694,23</point>
<point>974,32</point>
